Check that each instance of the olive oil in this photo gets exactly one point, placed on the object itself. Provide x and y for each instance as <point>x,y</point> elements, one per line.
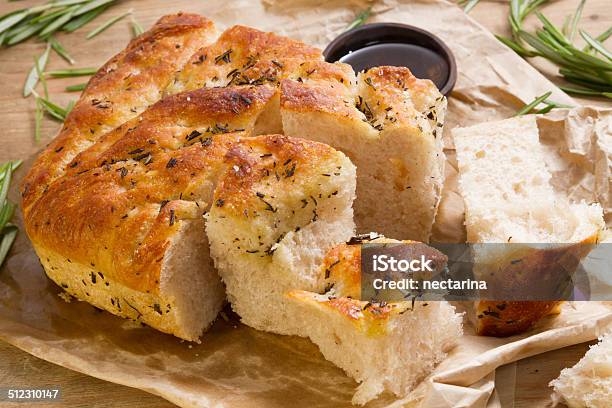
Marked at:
<point>423,62</point>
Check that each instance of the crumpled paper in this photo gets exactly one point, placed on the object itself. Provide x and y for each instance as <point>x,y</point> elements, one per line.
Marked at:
<point>236,366</point>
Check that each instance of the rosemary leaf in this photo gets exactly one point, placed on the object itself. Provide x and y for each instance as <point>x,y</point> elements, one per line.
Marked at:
<point>596,45</point>
<point>579,91</point>
<point>33,77</point>
<point>43,80</point>
<point>76,88</point>
<point>8,237</point>
<point>106,25</point>
<point>69,73</point>
<point>92,6</point>
<point>360,19</point>
<point>83,19</point>
<point>469,5</point>
<point>23,33</point>
<point>60,50</point>
<point>12,19</point>
<point>38,116</point>
<point>575,19</point>
<point>69,107</point>
<point>515,46</point>
<point>136,28</point>
<point>529,107</point>
<point>8,232</point>
<point>54,110</point>
<point>59,22</point>
<point>6,181</point>
<point>6,213</point>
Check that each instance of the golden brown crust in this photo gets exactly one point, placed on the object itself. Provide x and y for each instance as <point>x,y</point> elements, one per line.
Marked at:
<point>309,97</point>
<point>120,90</point>
<point>372,318</point>
<point>244,56</point>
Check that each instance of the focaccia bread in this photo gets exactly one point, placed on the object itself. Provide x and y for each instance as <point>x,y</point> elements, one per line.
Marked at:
<point>383,346</point>
<point>114,204</point>
<point>508,199</point>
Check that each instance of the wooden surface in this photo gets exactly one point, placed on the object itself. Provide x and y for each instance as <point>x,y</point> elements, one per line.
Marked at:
<point>18,369</point>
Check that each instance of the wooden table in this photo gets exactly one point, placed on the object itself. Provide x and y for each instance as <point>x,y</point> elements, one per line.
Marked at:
<point>19,369</point>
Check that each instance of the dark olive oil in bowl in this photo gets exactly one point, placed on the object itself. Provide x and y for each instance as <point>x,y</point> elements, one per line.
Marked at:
<point>394,44</point>
<point>423,62</point>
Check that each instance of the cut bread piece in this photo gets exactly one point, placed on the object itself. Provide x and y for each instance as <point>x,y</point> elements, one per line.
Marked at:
<point>508,199</point>
<point>390,125</point>
<point>588,384</point>
<point>274,236</point>
<point>383,346</point>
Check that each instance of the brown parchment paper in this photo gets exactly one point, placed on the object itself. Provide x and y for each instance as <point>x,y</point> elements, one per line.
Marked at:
<point>236,366</point>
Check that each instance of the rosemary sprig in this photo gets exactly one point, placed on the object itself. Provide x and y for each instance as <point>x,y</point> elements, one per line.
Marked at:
<point>46,19</point>
<point>360,19</point>
<point>542,99</point>
<point>33,76</point>
<point>590,67</point>
<point>107,24</point>
<point>8,231</point>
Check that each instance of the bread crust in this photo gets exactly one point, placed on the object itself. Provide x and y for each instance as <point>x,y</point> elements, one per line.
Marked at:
<point>125,86</point>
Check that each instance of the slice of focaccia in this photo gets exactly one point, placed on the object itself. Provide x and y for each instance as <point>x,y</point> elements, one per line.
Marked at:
<point>390,124</point>
<point>383,346</point>
<point>509,199</point>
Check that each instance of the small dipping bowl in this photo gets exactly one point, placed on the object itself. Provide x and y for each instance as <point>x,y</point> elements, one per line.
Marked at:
<point>401,45</point>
